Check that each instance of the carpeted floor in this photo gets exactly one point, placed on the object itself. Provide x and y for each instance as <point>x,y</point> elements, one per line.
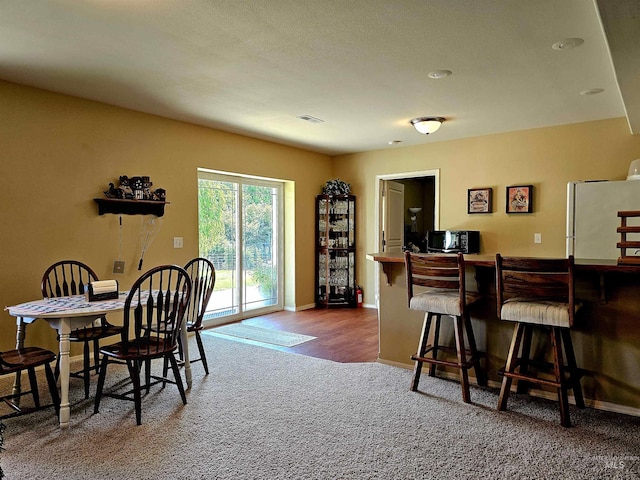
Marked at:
<point>266,414</point>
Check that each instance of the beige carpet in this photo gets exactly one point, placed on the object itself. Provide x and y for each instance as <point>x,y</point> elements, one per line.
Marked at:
<point>259,334</point>
<point>267,414</point>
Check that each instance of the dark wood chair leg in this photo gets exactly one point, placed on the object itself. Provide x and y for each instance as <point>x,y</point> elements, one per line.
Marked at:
<point>481,375</point>
<point>523,385</point>
<point>558,368</point>
<point>178,378</point>
<point>574,373</point>
<point>180,352</point>
<point>422,346</point>
<point>56,371</point>
<point>101,377</point>
<point>203,357</point>
<point>53,388</point>
<point>512,360</point>
<point>134,373</point>
<point>33,383</point>
<point>96,355</point>
<point>462,358</point>
<point>436,345</point>
<point>165,366</point>
<point>86,369</point>
<point>147,375</point>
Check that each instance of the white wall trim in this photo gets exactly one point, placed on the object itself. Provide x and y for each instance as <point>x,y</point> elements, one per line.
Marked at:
<point>378,209</point>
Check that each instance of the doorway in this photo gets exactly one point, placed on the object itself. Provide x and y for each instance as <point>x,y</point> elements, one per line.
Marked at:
<point>417,198</point>
<point>240,230</point>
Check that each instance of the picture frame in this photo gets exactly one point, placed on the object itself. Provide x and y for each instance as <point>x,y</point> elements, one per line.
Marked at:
<point>479,200</point>
<point>519,199</point>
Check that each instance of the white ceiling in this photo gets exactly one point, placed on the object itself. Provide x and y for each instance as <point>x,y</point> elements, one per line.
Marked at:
<point>253,66</point>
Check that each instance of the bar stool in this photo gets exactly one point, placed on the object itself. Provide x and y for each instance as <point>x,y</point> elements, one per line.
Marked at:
<point>539,293</point>
<point>443,279</point>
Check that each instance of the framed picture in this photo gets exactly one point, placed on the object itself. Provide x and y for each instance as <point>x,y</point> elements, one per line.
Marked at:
<point>520,199</point>
<point>479,200</point>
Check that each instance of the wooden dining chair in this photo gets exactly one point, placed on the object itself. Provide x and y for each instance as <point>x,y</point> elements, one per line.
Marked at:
<point>534,292</point>
<point>153,314</point>
<point>28,358</point>
<point>203,278</point>
<point>70,277</point>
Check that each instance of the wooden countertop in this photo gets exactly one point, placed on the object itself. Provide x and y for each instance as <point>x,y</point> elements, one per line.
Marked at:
<point>582,264</point>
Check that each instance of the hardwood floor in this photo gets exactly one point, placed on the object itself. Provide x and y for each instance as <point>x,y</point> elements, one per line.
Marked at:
<point>346,335</point>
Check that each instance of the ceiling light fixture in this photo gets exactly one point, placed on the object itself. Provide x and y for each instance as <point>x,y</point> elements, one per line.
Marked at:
<point>427,125</point>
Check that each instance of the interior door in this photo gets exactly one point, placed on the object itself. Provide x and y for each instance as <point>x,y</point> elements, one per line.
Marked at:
<point>392,216</point>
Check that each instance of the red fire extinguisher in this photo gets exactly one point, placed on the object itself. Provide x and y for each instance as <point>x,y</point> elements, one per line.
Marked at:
<point>359,295</point>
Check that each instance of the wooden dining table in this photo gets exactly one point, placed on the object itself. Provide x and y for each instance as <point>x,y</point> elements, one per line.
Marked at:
<point>65,314</point>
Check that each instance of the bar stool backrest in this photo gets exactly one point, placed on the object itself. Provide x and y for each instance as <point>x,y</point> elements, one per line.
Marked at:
<point>550,279</point>
<point>445,272</point>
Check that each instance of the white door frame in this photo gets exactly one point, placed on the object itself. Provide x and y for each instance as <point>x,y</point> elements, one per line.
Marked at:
<point>435,173</point>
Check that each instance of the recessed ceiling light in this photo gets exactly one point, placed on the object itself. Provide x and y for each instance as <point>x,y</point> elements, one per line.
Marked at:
<point>309,118</point>
<point>592,91</point>
<point>438,74</point>
<point>567,43</point>
<point>394,142</point>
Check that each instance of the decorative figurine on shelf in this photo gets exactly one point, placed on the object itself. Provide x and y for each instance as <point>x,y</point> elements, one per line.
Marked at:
<point>160,194</point>
<point>125,187</point>
<point>336,187</point>
<point>138,188</point>
<point>146,188</point>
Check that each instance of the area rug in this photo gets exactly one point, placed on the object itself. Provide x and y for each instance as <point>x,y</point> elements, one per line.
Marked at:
<point>259,334</point>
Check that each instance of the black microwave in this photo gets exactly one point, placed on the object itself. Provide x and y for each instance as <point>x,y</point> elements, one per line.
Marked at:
<point>453,241</point>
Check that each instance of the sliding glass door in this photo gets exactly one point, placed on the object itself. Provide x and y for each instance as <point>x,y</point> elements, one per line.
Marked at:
<point>240,231</point>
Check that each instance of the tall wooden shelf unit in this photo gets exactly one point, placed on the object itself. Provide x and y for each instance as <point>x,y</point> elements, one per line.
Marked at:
<point>336,251</point>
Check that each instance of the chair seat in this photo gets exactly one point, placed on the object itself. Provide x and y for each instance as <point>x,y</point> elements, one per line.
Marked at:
<point>151,347</point>
<point>439,300</point>
<point>22,358</point>
<point>94,333</point>
<point>536,311</point>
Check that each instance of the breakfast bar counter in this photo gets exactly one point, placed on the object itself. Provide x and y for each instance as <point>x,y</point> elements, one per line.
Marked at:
<point>606,335</point>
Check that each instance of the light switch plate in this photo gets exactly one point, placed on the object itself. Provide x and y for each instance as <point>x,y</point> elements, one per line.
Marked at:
<point>537,238</point>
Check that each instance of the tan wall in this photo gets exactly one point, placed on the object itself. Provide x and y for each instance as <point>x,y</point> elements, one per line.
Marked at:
<point>59,152</point>
<point>547,158</point>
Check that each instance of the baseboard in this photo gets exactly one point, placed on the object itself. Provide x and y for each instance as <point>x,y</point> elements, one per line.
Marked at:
<point>309,306</point>
<point>595,404</point>
<point>313,305</point>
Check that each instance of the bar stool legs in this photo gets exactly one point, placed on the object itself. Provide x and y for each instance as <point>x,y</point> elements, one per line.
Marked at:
<point>461,324</point>
<point>565,378</point>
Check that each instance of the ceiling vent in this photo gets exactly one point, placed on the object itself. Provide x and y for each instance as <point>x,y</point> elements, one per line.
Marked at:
<point>309,118</point>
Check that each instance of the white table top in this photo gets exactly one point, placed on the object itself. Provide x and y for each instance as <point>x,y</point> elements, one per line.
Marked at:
<point>73,306</point>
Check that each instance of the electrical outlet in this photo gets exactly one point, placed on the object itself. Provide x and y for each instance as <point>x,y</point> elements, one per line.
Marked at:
<point>118,266</point>
<point>537,238</point>
<point>177,242</point>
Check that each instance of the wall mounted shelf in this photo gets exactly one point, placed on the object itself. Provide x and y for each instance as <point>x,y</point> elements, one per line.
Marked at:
<point>130,207</point>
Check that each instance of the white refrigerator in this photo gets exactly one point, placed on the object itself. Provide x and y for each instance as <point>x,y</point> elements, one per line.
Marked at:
<point>592,217</point>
